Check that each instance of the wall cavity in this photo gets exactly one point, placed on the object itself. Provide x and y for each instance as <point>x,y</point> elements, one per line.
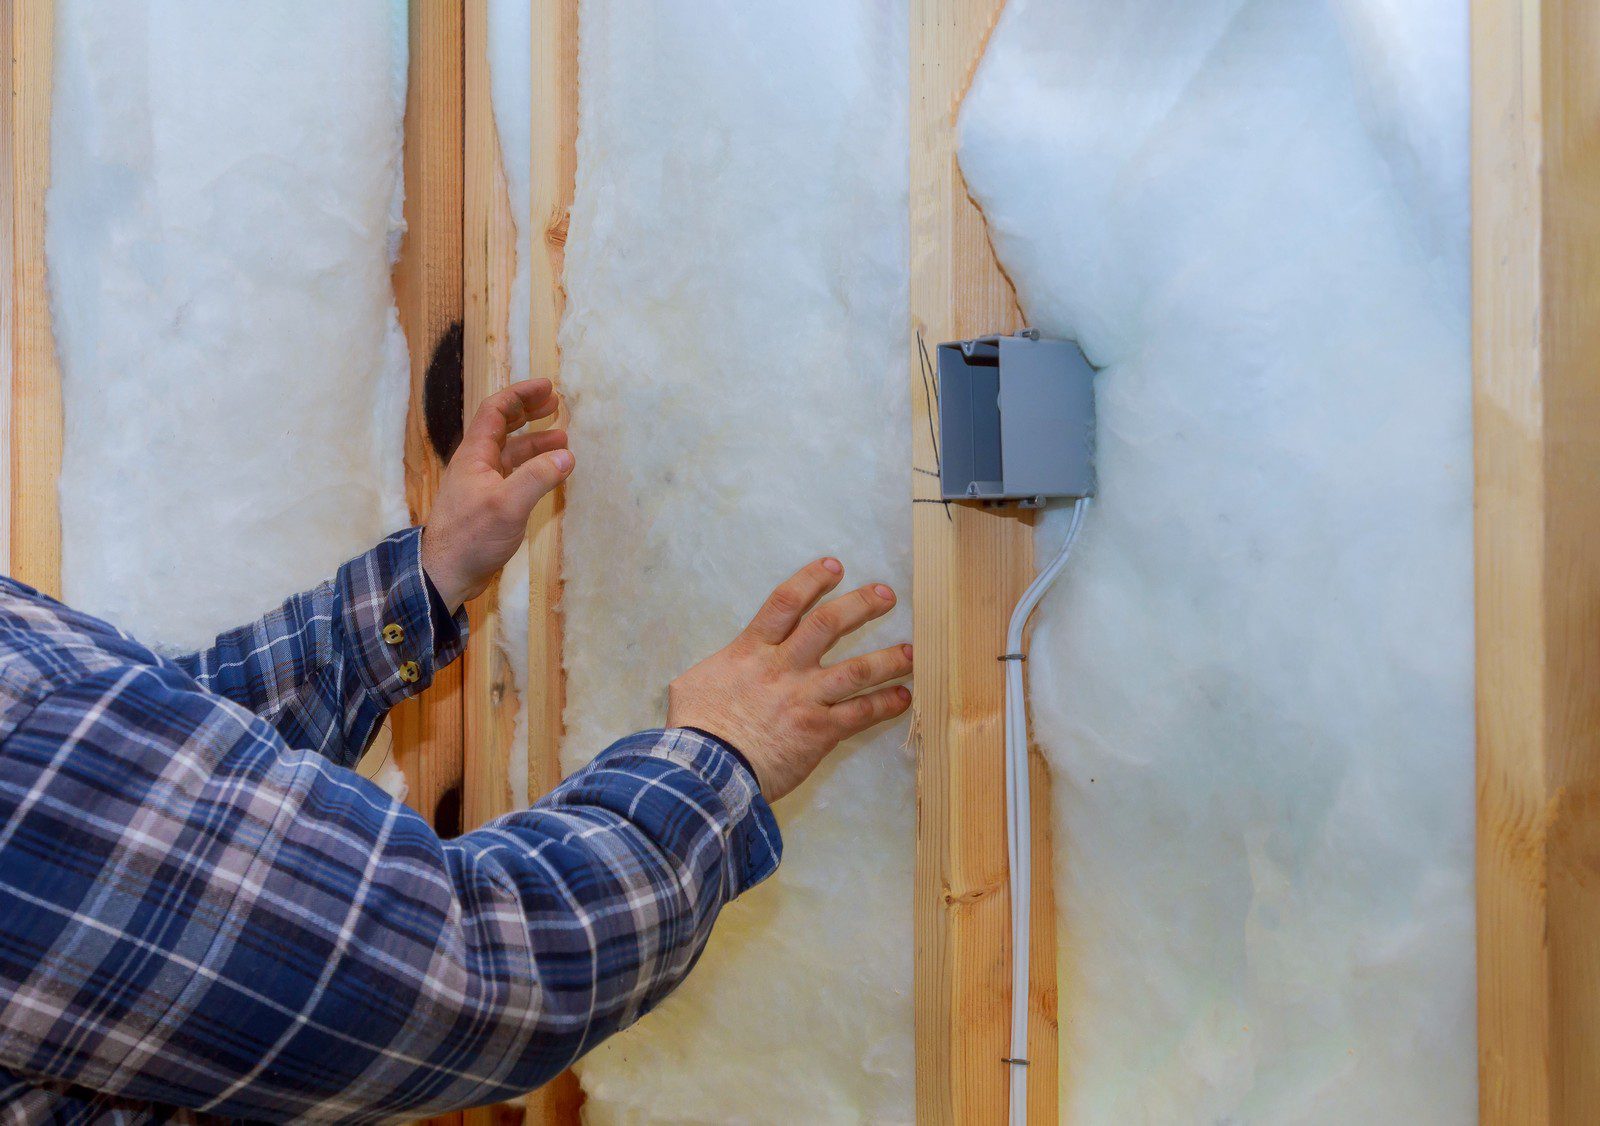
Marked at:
<point>1255,681</point>
<point>223,216</point>
<point>735,351</point>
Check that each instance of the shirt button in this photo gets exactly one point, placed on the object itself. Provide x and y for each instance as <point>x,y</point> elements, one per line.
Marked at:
<point>410,673</point>
<point>394,633</point>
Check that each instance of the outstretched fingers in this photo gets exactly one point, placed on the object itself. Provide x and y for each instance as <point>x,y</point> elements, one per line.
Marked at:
<point>858,713</point>
<point>786,605</point>
<point>829,624</point>
<point>848,678</point>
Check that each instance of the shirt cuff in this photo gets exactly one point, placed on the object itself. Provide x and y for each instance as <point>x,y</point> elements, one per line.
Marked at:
<point>399,639</point>
<point>755,846</point>
<point>730,748</point>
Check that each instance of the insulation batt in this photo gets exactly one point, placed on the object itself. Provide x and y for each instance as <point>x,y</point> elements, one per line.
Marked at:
<point>1254,683</point>
<point>510,51</point>
<point>224,213</point>
<point>735,356</point>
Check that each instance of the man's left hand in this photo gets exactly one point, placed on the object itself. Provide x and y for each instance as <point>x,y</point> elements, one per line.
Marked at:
<point>489,490</point>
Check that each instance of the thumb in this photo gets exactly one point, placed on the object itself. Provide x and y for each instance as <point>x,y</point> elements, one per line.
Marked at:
<point>531,481</point>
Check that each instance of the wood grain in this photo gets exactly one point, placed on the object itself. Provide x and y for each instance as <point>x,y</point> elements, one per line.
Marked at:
<point>555,166</point>
<point>970,566</point>
<point>427,730</point>
<point>34,422</point>
<point>1536,341</point>
<point>488,267</point>
<point>8,266</point>
<point>490,263</point>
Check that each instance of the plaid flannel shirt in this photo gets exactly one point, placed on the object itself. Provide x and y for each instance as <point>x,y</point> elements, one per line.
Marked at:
<point>205,912</point>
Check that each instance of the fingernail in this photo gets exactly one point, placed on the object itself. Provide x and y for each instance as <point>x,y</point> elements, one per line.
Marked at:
<point>906,649</point>
<point>904,693</point>
<point>833,565</point>
<point>562,460</point>
<point>884,592</point>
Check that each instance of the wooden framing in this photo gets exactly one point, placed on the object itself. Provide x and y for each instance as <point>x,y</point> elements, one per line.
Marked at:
<point>489,265</point>
<point>28,363</point>
<point>554,179</point>
<point>970,566</point>
<point>427,281</point>
<point>1537,417</point>
<point>1536,340</point>
<point>427,729</point>
<point>490,262</point>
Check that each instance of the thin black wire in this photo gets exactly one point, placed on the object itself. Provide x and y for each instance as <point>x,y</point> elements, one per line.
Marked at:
<point>388,753</point>
<point>930,395</point>
<point>930,398</point>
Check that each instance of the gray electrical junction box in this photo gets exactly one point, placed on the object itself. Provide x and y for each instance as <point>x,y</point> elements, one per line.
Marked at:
<point>1016,419</point>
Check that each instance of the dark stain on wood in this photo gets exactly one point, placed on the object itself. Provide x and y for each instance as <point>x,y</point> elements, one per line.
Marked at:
<point>442,393</point>
<point>447,813</point>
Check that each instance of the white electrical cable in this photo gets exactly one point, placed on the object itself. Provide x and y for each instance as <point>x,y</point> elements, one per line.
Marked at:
<point>1019,821</point>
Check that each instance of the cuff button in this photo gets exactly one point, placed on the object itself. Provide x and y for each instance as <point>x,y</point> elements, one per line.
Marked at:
<point>394,633</point>
<point>410,673</point>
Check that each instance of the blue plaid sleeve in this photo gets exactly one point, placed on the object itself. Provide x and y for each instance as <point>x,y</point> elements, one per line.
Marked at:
<point>326,666</point>
<point>194,915</point>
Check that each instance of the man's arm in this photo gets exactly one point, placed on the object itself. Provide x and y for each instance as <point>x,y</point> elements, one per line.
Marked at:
<point>199,916</point>
<point>193,914</point>
<point>326,666</point>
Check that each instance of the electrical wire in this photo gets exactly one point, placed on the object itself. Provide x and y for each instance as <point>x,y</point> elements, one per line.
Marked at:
<point>1019,819</point>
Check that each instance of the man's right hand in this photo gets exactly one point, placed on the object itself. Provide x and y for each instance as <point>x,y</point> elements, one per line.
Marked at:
<point>768,693</point>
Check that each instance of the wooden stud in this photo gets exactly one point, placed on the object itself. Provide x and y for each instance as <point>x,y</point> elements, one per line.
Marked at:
<point>1536,339</point>
<point>489,265</point>
<point>971,565</point>
<point>490,262</point>
<point>427,283</point>
<point>427,730</point>
<point>8,221</point>
<point>555,165</point>
<point>554,174</point>
<point>27,346</point>
<point>490,257</point>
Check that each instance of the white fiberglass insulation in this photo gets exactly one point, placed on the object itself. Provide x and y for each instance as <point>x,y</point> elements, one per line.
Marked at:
<point>510,50</point>
<point>735,361</point>
<point>1254,682</point>
<point>224,209</point>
